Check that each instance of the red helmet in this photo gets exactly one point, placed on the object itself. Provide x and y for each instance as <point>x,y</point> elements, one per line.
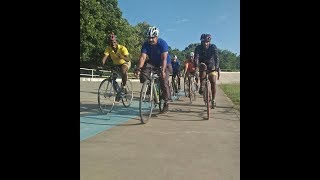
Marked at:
<point>205,37</point>
<point>112,37</point>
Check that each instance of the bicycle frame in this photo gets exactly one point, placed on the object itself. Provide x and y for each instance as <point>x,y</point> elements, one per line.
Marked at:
<point>207,96</point>
<point>149,102</point>
<point>191,87</point>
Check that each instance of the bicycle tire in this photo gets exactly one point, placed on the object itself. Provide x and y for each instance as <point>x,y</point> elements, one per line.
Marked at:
<point>194,89</point>
<point>106,97</point>
<point>207,99</point>
<point>175,89</point>
<point>160,97</point>
<point>128,96</point>
<point>185,86</point>
<point>146,103</point>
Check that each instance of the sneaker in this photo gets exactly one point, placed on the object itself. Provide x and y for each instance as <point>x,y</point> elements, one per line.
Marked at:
<point>124,90</point>
<point>165,108</point>
<point>213,104</point>
<point>200,91</point>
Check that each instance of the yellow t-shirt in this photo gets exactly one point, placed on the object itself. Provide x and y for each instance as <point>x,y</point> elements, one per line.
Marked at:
<point>114,55</point>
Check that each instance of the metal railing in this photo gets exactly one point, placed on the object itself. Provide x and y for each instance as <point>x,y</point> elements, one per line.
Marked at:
<point>91,73</point>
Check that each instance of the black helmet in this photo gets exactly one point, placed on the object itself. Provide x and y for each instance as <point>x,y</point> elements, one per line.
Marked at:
<point>205,37</point>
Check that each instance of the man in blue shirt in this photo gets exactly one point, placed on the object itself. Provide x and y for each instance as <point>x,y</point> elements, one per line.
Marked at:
<point>176,70</point>
<point>157,51</point>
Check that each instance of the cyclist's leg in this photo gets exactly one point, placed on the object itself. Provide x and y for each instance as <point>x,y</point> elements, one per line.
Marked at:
<point>145,72</point>
<point>213,79</point>
<point>124,72</point>
<point>196,80</point>
<point>179,76</point>
<point>165,87</point>
<point>202,74</point>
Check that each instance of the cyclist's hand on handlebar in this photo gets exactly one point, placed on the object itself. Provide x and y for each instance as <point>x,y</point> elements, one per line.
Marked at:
<point>137,72</point>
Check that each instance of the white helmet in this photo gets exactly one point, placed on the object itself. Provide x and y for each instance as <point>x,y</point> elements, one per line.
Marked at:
<point>191,54</point>
<point>153,31</point>
<point>175,57</point>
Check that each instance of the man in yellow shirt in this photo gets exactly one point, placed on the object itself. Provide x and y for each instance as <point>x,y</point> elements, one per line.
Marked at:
<point>119,56</point>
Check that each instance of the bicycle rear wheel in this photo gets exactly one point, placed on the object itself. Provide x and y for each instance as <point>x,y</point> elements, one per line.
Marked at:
<point>127,97</point>
<point>106,97</point>
<point>146,103</point>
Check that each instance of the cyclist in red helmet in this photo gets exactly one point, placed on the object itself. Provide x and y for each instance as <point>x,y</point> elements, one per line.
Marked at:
<point>208,54</point>
<point>119,56</point>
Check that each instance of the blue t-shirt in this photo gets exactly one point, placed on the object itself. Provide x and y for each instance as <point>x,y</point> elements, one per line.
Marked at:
<point>154,52</point>
<point>175,66</point>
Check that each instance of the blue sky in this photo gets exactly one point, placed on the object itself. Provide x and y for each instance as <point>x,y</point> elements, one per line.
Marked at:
<point>182,22</point>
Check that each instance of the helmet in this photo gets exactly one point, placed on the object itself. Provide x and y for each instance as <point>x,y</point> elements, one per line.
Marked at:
<point>112,37</point>
<point>205,37</point>
<point>153,31</point>
<point>191,54</point>
<point>175,57</point>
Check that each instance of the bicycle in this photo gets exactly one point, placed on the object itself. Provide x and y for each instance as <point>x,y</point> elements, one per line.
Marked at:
<point>207,95</point>
<point>174,88</point>
<point>110,92</point>
<point>190,87</point>
<point>150,95</point>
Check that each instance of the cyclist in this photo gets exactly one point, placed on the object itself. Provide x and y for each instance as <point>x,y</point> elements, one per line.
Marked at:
<point>157,51</point>
<point>189,68</point>
<point>119,56</point>
<point>176,70</point>
<point>208,54</point>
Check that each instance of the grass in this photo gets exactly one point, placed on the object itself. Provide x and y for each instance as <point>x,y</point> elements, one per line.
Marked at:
<point>233,92</point>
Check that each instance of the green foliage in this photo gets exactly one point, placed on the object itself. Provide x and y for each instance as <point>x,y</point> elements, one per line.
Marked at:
<point>98,18</point>
<point>233,92</point>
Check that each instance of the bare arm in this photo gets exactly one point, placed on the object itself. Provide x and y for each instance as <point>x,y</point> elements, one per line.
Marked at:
<point>215,57</point>
<point>186,67</point>
<point>164,56</point>
<point>142,59</point>
<point>104,59</point>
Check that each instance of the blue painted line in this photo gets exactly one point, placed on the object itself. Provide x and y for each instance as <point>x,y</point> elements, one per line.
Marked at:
<point>94,123</point>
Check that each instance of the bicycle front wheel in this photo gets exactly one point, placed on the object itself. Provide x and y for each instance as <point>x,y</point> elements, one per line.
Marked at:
<point>207,97</point>
<point>190,89</point>
<point>106,97</point>
<point>186,86</point>
<point>128,94</point>
<point>146,103</point>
